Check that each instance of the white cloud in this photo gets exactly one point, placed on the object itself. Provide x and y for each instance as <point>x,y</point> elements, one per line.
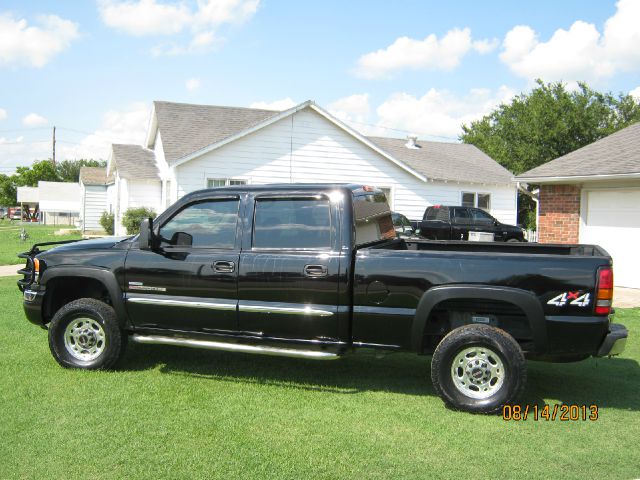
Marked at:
<point>35,46</point>
<point>635,93</point>
<point>428,54</point>
<point>279,105</point>
<point>192,84</point>
<point>118,126</point>
<point>352,109</point>
<point>201,20</point>
<point>145,17</point>
<point>34,120</point>
<point>581,53</point>
<point>3,114</point>
<point>438,113</point>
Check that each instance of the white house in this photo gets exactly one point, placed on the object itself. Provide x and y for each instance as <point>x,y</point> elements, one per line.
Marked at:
<point>190,147</point>
<point>59,202</point>
<point>592,195</point>
<point>94,183</point>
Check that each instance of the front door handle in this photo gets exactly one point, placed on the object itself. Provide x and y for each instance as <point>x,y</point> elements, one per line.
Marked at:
<point>223,266</point>
<point>316,270</point>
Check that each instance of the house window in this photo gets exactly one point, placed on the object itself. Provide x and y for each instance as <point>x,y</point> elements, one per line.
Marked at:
<point>478,200</point>
<point>224,182</point>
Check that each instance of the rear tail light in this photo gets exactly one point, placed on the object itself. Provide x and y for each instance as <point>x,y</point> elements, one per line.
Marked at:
<point>604,291</point>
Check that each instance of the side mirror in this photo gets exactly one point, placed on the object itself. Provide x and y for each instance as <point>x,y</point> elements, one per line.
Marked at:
<point>145,239</point>
<point>181,239</point>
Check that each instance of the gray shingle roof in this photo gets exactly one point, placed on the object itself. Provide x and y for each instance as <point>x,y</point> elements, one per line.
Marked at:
<point>446,161</point>
<point>95,176</point>
<point>186,128</point>
<point>134,162</point>
<point>619,153</point>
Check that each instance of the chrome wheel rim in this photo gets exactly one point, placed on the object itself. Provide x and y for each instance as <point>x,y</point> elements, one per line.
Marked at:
<point>84,339</point>
<point>478,372</point>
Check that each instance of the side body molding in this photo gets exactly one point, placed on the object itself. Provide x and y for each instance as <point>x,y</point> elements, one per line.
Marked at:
<point>104,276</point>
<point>527,301</point>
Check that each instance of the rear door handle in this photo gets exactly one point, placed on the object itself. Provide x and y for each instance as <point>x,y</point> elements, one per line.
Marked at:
<point>315,270</point>
<point>223,266</point>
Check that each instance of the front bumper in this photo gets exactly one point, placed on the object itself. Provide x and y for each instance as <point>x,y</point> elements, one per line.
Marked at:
<point>32,303</point>
<point>614,342</point>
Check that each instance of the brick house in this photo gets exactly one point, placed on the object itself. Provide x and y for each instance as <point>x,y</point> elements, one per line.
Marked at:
<point>592,195</point>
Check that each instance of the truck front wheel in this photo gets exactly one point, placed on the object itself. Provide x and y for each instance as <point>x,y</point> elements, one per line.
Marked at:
<point>85,334</point>
<point>479,369</point>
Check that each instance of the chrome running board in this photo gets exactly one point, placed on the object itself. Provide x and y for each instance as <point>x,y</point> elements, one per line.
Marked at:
<point>234,347</point>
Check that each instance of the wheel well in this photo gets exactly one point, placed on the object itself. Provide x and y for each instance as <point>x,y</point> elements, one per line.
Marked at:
<point>450,314</point>
<point>63,290</point>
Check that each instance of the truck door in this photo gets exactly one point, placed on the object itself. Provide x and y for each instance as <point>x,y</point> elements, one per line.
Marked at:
<point>189,281</point>
<point>289,266</point>
<point>483,222</point>
<point>460,223</point>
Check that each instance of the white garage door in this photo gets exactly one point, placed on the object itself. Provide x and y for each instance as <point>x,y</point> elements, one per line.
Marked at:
<point>612,221</point>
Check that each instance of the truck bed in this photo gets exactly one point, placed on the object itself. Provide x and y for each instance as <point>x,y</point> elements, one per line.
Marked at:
<point>493,247</point>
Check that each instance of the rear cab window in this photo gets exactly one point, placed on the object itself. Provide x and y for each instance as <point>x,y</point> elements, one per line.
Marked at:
<point>372,217</point>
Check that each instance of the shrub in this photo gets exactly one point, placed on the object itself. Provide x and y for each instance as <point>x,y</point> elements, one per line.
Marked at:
<point>107,220</point>
<point>133,216</point>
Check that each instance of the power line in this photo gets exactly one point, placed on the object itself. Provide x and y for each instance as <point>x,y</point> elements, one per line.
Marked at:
<point>422,134</point>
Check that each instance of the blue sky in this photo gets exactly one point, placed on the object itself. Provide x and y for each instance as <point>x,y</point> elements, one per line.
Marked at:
<point>389,68</point>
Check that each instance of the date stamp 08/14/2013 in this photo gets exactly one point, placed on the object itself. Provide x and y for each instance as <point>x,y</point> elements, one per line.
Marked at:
<point>550,413</point>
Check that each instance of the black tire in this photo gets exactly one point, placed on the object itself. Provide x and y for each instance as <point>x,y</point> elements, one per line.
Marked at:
<point>513,240</point>
<point>460,394</point>
<point>96,325</point>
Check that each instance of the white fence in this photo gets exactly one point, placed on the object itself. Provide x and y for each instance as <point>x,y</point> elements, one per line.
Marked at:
<point>531,235</point>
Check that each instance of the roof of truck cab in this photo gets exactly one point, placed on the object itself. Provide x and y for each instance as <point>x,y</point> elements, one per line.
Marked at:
<point>282,186</point>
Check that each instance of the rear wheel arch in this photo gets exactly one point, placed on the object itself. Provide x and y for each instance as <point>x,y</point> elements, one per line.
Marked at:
<point>525,301</point>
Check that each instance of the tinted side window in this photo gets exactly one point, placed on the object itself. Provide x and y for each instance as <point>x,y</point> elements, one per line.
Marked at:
<point>461,215</point>
<point>210,224</point>
<point>437,213</point>
<point>292,223</point>
<point>481,217</point>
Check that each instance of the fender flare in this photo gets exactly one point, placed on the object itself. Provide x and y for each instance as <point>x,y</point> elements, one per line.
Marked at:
<point>104,276</point>
<point>523,299</point>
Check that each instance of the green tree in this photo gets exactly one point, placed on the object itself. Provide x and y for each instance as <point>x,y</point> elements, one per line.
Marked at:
<point>43,170</point>
<point>69,170</point>
<point>549,122</point>
<point>7,191</point>
<point>545,124</point>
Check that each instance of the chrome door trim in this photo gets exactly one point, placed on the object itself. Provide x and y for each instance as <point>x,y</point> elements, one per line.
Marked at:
<point>173,302</point>
<point>306,310</point>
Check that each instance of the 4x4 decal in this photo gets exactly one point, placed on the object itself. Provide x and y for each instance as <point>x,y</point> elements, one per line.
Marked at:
<point>578,299</point>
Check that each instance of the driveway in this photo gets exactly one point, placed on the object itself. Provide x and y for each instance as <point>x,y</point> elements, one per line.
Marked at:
<point>626,297</point>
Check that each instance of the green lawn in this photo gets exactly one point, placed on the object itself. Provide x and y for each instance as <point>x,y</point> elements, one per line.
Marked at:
<point>12,244</point>
<point>181,413</point>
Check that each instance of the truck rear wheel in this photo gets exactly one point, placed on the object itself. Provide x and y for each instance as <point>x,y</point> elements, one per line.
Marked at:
<point>479,369</point>
<point>85,334</point>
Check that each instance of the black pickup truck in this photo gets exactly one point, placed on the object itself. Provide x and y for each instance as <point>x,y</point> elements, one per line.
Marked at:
<point>316,271</point>
<point>441,222</point>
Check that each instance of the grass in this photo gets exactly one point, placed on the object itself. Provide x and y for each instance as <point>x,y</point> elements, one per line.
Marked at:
<point>12,244</point>
<point>179,413</point>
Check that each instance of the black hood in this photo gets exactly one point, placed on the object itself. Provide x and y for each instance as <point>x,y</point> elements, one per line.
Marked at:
<point>93,244</point>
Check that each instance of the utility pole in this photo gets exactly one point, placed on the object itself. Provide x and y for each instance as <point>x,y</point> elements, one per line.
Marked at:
<point>54,146</point>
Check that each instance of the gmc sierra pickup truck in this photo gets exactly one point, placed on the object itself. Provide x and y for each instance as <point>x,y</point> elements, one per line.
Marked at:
<point>316,271</point>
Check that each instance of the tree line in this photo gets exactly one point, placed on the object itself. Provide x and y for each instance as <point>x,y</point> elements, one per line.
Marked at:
<point>42,170</point>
